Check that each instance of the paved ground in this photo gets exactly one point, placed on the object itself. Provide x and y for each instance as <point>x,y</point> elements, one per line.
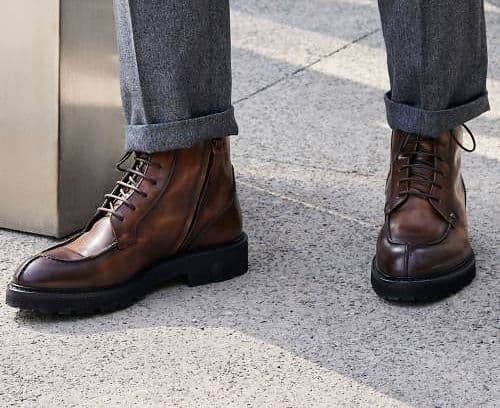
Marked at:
<point>302,328</point>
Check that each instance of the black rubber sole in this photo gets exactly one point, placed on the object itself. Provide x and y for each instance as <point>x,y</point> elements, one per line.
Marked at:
<point>198,268</point>
<point>423,290</point>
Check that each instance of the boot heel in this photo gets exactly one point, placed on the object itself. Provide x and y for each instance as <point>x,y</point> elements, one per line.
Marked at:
<point>219,264</point>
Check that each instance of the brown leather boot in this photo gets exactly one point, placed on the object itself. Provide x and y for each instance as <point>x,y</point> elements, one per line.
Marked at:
<point>423,249</point>
<point>173,215</point>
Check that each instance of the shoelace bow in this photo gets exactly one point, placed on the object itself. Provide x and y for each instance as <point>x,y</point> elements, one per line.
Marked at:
<point>423,164</point>
<point>128,184</point>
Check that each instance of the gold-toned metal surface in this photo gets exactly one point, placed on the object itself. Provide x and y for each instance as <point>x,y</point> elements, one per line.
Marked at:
<point>91,122</point>
<point>60,114</point>
<point>29,35</point>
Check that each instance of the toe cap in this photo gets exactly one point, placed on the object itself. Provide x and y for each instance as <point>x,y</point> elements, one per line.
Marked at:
<point>397,260</point>
<point>36,272</point>
<point>391,259</point>
<point>43,272</point>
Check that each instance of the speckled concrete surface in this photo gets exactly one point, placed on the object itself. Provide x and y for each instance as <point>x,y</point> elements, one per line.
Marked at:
<point>302,328</point>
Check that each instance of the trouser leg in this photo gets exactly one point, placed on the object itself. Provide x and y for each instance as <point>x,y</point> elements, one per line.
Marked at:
<point>175,72</point>
<point>437,59</point>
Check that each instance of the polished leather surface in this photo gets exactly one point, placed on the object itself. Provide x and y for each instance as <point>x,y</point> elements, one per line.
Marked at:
<point>424,235</point>
<point>190,204</point>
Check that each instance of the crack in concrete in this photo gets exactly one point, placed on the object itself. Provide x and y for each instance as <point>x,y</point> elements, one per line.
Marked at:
<point>305,67</point>
<point>305,204</point>
<point>347,172</point>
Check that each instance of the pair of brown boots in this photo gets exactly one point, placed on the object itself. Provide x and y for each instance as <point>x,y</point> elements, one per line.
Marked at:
<point>175,215</point>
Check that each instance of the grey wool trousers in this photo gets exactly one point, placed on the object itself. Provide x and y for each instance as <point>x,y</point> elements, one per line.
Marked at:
<point>175,68</point>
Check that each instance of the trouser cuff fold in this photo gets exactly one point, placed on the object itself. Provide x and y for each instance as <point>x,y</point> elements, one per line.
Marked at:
<point>432,123</point>
<point>180,134</point>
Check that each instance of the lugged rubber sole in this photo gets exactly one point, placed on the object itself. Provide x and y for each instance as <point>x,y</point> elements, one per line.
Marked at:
<point>215,264</point>
<point>423,290</point>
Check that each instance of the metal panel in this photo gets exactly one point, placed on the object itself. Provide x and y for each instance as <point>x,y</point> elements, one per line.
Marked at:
<point>91,117</point>
<point>29,41</point>
<point>60,116</point>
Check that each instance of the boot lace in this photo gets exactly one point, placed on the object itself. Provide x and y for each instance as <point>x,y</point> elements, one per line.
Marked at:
<point>423,164</point>
<point>129,184</point>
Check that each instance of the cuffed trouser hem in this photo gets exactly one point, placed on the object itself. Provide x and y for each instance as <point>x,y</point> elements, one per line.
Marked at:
<point>181,134</point>
<point>432,123</point>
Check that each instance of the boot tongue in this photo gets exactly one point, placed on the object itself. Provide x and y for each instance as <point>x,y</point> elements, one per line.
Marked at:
<point>101,234</point>
<point>416,221</point>
<point>420,153</point>
<point>130,178</point>
<point>91,243</point>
